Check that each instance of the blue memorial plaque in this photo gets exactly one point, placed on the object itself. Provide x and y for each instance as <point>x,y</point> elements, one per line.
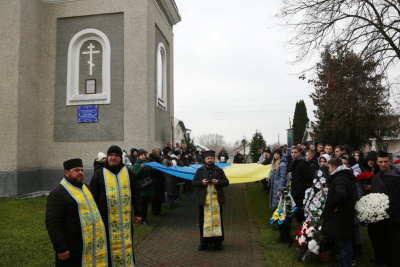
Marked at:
<point>87,113</point>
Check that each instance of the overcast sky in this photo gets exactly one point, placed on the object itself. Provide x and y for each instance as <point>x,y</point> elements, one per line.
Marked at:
<point>231,70</point>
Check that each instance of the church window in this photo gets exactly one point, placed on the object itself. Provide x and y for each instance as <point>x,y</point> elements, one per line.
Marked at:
<point>161,77</point>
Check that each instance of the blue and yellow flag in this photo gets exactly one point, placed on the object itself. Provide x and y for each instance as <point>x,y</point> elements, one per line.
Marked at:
<point>236,173</point>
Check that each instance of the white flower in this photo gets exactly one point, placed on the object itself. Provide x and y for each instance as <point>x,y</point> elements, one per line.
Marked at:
<point>372,208</point>
<point>322,180</point>
<point>318,185</point>
<point>319,173</point>
<point>313,247</point>
<point>314,181</point>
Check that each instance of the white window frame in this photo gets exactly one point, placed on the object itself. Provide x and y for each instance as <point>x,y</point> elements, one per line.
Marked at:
<point>161,81</point>
<point>73,96</point>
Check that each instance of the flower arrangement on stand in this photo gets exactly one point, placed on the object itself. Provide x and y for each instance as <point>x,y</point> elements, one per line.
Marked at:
<point>309,239</point>
<point>364,178</point>
<point>315,197</point>
<point>373,208</point>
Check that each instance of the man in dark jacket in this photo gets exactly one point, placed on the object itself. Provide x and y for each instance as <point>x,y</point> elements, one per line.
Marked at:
<point>116,190</point>
<point>66,217</point>
<point>338,214</point>
<point>301,180</point>
<point>210,180</point>
<point>223,156</point>
<point>238,158</point>
<point>385,235</point>
<point>159,184</point>
<point>312,161</point>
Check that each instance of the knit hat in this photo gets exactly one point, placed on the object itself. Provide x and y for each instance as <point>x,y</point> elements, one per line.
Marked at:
<point>209,153</point>
<point>101,156</point>
<point>278,151</point>
<point>141,152</point>
<point>72,163</point>
<point>115,149</point>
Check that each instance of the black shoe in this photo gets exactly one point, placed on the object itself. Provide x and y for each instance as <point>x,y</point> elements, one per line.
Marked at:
<point>219,247</point>
<point>202,247</point>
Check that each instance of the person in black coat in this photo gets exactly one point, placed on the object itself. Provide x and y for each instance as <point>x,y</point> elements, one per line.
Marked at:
<point>159,184</point>
<point>301,180</point>
<point>370,165</point>
<point>312,161</point>
<point>267,160</point>
<point>63,221</point>
<point>206,179</point>
<point>385,235</point>
<point>99,162</point>
<point>114,165</point>
<point>238,158</point>
<point>339,211</point>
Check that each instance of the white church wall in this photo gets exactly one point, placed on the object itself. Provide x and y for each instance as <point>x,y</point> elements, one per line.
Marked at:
<point>35,145</point>
<point>9,54</point>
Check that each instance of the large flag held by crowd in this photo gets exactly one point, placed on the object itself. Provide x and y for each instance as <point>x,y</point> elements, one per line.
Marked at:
<point>236,173</point>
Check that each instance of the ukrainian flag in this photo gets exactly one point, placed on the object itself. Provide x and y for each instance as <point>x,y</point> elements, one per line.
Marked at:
<point>236,173</point>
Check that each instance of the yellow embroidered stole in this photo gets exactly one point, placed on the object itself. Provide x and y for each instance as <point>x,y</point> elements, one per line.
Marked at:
<point>93,231</point>
<point>119,217</point>
<point>212,218</point>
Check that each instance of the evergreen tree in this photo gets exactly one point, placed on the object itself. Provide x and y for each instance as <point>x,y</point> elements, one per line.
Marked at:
<point>350,98</point>
<point>300,120</point>
<point>256,142</point>
<point>189,142</point>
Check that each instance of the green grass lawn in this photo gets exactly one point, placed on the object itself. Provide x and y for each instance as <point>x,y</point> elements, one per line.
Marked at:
<point>279,254</point>
<point>23,236</point>
<point>24,240</point>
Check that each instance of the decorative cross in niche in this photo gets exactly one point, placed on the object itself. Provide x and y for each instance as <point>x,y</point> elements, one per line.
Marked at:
<point>90,52</point>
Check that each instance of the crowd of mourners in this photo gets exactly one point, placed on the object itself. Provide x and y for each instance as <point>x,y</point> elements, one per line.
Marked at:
<point>158,187</point>
<point>325,182</point>
<point>307,182</point>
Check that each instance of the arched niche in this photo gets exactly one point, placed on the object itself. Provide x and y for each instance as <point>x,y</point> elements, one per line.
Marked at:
<point>74,96</point>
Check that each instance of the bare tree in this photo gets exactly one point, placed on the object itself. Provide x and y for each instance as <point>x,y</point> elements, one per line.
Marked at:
<point>369,27</point>
<point>212,141</point>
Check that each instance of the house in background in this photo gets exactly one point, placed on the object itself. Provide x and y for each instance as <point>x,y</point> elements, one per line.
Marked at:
<point>390,145</point>
<point>309,134</point>
<point>243,149</point>
<point>179,131</point>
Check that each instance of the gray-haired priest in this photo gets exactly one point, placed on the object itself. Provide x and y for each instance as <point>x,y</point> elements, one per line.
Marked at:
<point>210,180</point>
<point>73,221</point>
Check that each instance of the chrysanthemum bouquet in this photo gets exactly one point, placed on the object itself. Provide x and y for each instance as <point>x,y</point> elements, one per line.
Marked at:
<point>372,208</point>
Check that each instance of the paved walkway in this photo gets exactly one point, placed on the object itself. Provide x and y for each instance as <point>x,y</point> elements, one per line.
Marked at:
<point>175,240</point>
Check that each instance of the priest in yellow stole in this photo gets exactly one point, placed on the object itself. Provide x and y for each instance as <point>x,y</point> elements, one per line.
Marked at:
<point>116,191</point>
<point>210,180</point>
<point>73,221</point>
